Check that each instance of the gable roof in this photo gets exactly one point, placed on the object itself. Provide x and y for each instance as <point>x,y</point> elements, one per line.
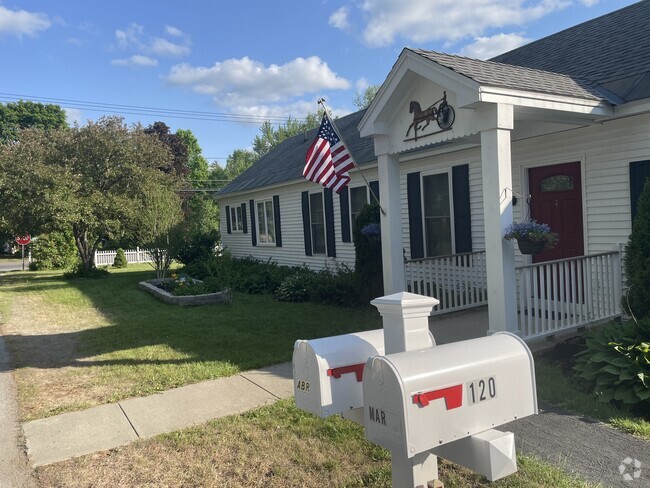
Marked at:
<point>285,162</point>
<point>611,53</point>
<point>495,74</point>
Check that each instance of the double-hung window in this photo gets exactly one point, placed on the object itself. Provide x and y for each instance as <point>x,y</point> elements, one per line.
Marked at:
<point>358,199</point>
<point>236,219</point>
<point>437,213</point>
<point>317,223</point>
<point>265,222</point>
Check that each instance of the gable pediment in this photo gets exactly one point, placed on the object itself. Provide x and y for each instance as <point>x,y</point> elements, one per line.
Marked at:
<point>412,100</point>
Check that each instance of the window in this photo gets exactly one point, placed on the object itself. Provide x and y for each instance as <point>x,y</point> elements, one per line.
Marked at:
<point>236,219</point>
<point>437,214</point>
<point>265,222</point>
<point>358,198</point>
<point>317,223</point>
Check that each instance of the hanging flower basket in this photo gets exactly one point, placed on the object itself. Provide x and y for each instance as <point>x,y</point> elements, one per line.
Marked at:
<point>531,237</point>
<point>526,246</point>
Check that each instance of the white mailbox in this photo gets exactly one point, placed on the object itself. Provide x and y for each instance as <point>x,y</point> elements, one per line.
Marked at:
<point>416,401</point>
<point>327,372</point>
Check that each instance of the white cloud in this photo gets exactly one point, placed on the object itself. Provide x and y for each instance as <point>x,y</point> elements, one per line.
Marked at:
<point>248,83</point>
<point>136,60</point>
<point>450,20</point>
<point>173,31</point>
<point>21,22</point>
<point>75,41</point>
<point>488,47</point>
<point>74,116</point>
<point>589,3</point>
<point>361,85</point>
<point>163,47</point>
<point>131,38</point>
<point>339,18</point>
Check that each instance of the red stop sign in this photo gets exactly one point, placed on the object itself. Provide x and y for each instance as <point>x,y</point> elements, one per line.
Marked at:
<point>24,240</point>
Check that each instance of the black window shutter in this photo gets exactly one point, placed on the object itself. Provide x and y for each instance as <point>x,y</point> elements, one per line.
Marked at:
<point>462,216</point>
<point>414,199</point>
<point>344,201</point>
<point>306,224</point>
<point>374,186</point>
<point>251,204</point>
<point>228,225</point>
<point>639,171</point>
<point>276,217</point>
<point>244,220</point>
<point>329,224</point>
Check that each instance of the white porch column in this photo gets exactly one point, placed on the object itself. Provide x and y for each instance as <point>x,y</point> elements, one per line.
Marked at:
<point>497,208</point>
<point>391,223</point>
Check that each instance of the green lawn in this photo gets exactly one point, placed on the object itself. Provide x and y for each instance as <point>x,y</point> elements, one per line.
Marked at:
<point>243,450</point>
<point>556,388</point>
<point>78,343</point>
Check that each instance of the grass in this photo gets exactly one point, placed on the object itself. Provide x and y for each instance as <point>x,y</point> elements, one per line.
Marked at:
<point>558,389</point>
<point>243,451</point>
<point>83,342</point>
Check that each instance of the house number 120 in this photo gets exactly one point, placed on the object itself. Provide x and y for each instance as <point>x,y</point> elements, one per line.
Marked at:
<point>481,390</point>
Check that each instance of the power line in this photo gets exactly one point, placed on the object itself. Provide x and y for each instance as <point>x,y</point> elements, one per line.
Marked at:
<point>150,111</point>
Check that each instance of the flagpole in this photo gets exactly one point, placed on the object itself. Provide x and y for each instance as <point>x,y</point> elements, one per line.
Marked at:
<point>321,101</point>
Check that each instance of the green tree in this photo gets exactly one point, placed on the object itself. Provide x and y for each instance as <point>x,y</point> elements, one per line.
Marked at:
<point>84,179</point>
<point>160,212</point>
<point>363,100</point>
<point>197,164</point>
<point>637,260</point>
<point>272,136</point>
<point>20,115</point>
<point>238,162</point>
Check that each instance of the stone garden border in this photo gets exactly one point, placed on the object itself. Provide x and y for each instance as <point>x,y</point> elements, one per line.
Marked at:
<point>184,301</point>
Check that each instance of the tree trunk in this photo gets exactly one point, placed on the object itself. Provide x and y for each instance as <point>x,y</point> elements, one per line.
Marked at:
<point>86,250</point>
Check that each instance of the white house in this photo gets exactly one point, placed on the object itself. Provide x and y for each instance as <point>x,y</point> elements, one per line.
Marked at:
<point>557,130</point>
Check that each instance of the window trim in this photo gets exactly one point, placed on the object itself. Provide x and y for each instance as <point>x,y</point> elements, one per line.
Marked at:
<point>266,223</point>
<point>236,219</point>
<point>311,220</point>
<point>448,172</point>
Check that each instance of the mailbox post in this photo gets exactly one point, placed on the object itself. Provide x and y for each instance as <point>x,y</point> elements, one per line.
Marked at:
<point>406,323</point>
<point>417,400</point>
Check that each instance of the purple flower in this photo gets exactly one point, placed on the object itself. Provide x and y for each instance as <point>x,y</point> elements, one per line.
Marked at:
<point>371,230</point>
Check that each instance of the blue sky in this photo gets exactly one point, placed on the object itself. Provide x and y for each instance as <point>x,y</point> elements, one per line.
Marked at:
<point>245,60</point>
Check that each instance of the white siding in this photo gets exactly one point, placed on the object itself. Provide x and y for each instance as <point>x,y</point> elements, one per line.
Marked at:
<point>605,152</point>
<point>292,252</point>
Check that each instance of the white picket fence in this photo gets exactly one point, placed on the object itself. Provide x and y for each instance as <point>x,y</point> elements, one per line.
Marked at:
<point>137,255</point>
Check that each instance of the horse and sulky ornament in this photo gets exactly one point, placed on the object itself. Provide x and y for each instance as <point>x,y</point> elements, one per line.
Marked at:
<point>443,114</point>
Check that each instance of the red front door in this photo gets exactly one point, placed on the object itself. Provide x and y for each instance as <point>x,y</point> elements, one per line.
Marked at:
<point>556,200</point>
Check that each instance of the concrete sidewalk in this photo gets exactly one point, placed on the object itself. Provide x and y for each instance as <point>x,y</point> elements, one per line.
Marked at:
<point>574,443</point>
<point>62,437</point>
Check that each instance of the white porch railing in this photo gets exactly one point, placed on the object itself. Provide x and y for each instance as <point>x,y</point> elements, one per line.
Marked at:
<point>568,293</point>
<point>459,281</point>
<point>137,255</point>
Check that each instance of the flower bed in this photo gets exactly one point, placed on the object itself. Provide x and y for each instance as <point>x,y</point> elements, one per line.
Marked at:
<point>158,288</point>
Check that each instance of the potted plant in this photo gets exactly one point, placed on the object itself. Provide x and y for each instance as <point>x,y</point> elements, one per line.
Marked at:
<point>531,237</point>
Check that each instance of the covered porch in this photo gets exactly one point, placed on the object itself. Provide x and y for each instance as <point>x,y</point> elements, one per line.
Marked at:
<point>552,297</point>
<point>491,111</point>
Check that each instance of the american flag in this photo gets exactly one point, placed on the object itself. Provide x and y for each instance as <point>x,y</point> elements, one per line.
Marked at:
<point>328,160</point>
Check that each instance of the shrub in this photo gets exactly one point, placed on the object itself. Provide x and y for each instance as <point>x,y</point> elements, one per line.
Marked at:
<point>120,259</point>
<point>616,364</point>
<point>637,260</point>
<point>197,247</point>
<point>367,249</point>
<point>296,287</point>
<point>55,250</point>
<point>80,272</point>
